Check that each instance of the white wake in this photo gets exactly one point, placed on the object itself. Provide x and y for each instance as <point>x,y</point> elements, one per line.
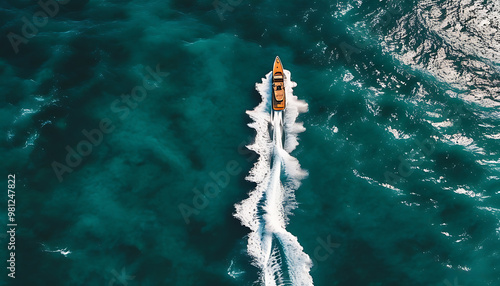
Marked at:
<point>276,252</point>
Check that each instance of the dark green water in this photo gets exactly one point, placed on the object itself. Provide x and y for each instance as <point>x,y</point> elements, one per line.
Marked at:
<point>401,141</point>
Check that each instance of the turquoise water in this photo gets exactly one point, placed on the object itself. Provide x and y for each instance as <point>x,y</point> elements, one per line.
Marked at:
<point>401,141</point>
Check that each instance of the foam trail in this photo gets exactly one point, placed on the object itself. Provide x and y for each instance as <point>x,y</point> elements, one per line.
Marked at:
<point>276,252</point>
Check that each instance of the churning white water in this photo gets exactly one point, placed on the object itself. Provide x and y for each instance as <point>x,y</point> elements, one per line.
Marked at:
<point>276,252</point>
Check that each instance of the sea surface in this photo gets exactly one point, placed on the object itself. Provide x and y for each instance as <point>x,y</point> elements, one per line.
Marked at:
<point>132,130</point>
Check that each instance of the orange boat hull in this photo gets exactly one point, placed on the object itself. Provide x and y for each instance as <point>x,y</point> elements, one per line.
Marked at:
<point>279,97</point>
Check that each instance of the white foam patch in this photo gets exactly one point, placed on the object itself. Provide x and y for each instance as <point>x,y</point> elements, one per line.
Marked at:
<point>397,133</point>
<point>63,251</point>
<point>493,136</point>
<point>276,252</point>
